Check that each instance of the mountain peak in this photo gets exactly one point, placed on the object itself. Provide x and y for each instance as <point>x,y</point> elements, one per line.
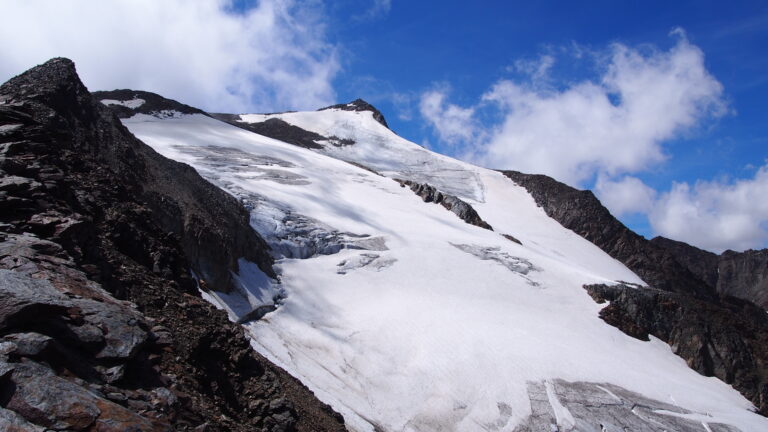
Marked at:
<point>360,105</point>
<point>55,82</point>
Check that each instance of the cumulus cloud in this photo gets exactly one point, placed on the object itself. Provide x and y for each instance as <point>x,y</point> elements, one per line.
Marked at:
<point>270,57</point>
<point>625,196</point>
<point>452,123</point>
<point>715,215</point>
<point>613,125</point>
<point>608,131</point>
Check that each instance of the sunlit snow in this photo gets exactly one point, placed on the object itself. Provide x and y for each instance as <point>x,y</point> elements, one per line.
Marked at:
<point>402,316</point>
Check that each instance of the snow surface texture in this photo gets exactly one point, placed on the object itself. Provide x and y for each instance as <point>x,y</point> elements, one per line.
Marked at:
<point>405,318</point>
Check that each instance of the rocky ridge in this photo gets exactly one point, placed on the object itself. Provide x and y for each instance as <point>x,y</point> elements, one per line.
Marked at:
<point>101,326</point>
<point>143,102</point>
<point>463,210</point>
<point>277,129</point>
<point>738,274</point>
<point>581,212</point>
<point>717,335</point>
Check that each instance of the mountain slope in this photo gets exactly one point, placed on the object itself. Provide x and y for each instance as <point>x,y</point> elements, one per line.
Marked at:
<point>738,274</point>
<point>102,326</point>
<point>403,316</point>
<point>716,335</point>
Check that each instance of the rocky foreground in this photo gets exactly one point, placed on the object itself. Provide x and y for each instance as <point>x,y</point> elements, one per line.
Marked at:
<point>101,326</point>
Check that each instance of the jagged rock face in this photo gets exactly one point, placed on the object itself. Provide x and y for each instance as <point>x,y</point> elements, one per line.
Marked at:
<point>727,339</point>
<point>142,102</point>
<point>744,275</point>
<point>213,237</point>
<point>738,274</point>
<point>582,213</point>
<point>102,327</point>
<point>360,105</point>
<point>453,203</point>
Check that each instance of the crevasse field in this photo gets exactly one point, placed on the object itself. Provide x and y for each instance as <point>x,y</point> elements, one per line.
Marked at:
<point>402,316</point>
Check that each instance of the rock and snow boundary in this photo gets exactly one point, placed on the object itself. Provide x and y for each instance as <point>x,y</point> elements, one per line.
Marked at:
<point>441,337</point>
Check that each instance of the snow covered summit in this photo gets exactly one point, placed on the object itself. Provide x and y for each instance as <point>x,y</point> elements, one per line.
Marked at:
<point>403,316</point>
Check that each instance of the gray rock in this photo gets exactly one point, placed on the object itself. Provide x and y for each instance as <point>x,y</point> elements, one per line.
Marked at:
<point>12,422</point>
<point>30,344</point>
<point>738,274</point>
<point>47,400</point>
<point>459,207</point>
<point>24,299</point>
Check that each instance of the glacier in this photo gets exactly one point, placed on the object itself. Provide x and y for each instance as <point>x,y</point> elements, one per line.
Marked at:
<point>403,317</point>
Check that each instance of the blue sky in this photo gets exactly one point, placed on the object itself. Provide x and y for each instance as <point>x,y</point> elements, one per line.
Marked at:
<point>659,107</point>
<point>396,56</point>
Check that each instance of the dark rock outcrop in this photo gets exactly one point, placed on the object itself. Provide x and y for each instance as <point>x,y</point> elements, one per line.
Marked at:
<point>213,237</point>
<point>284,131</point>
<point>463,210</point>
<point>101,326</point>
<point>727,339</point>
<point>153,104</point>
<point>738,274</point>
<point>277,129</point>
<point>360,105</point>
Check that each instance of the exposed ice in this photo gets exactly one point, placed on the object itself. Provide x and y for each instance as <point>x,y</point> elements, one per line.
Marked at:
<point>513,263</point>
<point>369,260</point>
<point>253,290</point>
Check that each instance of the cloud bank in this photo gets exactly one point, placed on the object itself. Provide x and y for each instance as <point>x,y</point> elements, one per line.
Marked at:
<point>452,123</point>
<point>604,132</point>
<point>273,56</point>
<point>716,215</point>
<point>611,126</point>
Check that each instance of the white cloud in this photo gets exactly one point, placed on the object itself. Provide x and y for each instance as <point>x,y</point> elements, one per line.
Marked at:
<point>537,70</point>
<point>610,130</point>
<point>716,215</point>
<point>626,196</point>
<point>613,125</point>
<point>452,123</point>
<point>273,56</point>
<point>377,9</point>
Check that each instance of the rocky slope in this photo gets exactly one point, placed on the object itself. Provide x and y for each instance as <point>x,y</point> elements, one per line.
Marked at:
<point>102,327</point>
<point>141,102</point>
<point>685,306</point>
<point>452,203</point>
<point>738,274</point>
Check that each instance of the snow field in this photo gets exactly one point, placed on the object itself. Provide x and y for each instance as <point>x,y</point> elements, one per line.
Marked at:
<point>437,338</point>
